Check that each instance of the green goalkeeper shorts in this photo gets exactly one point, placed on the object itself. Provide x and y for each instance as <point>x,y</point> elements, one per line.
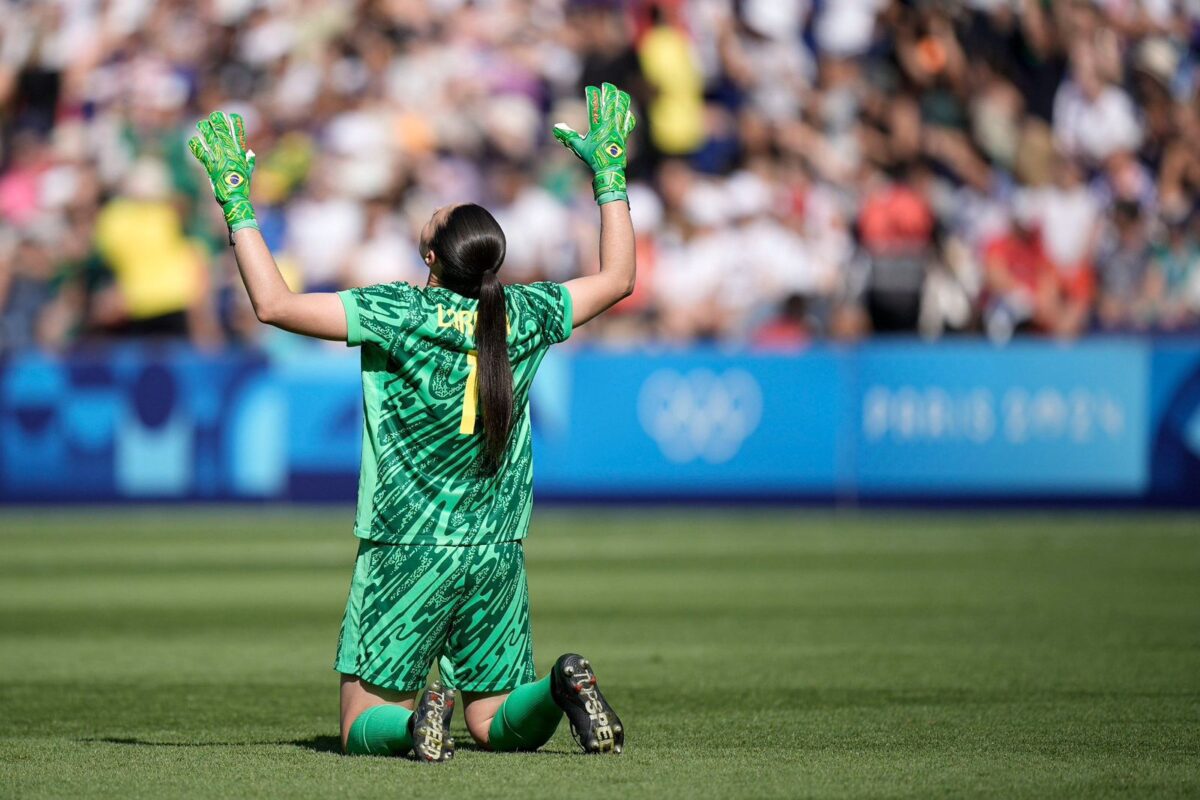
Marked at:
<point>465,605</point>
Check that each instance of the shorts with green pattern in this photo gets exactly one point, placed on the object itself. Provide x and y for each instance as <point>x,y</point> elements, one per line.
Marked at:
<point>465,605</point>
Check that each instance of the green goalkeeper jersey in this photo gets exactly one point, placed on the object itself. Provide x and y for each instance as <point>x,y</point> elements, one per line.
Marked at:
<point>423,440</point>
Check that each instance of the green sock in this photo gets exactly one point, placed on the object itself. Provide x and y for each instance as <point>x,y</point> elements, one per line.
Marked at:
<point>380,731</point>
<point>527,718</point>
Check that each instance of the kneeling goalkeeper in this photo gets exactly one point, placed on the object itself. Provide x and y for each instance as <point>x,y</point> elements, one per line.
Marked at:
<point>445,491</point>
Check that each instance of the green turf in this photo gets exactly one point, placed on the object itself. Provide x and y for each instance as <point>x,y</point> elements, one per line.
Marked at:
<point>187,653</point>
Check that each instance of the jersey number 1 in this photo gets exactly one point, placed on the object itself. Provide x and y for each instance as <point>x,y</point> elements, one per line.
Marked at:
<point>469,396</point>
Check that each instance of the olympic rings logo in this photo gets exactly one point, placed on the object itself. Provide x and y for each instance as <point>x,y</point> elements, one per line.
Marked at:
<point>700,415</point>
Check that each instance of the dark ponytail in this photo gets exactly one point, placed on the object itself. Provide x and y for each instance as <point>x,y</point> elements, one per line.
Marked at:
<point>470,247</point>
<point>495,371</point>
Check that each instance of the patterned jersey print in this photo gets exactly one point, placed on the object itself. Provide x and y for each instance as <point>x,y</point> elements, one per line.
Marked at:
<point>422,480</point>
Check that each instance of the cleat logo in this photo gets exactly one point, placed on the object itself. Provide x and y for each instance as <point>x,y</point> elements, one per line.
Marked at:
<point>601,728</point>
<point>430,728</point>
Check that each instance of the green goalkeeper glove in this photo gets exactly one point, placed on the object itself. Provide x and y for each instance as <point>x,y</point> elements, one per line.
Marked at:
<point>603,149</point>
<point>229,164</point>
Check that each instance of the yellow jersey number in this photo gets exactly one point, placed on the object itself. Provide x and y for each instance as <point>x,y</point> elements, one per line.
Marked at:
<point>470,395</point>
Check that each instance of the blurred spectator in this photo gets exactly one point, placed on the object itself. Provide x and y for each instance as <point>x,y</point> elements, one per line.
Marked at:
<point>1069,217</point>
<point>1175,274</point>
<point>896,228</point>
<point>1068,221</point>
<point>1125,277</point>
<point>788,330</point>
<point>801,169</point>
<point>387,253</point>
<point>675,114</point>
<point>37,308</point>
<point>1021,284</point>
<point>536,226</point>
<point>323,225</point>
<point>161,284</point>
<point>1093,119</point>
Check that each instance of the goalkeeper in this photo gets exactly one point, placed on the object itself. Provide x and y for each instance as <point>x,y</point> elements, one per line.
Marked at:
<point>445,491</point>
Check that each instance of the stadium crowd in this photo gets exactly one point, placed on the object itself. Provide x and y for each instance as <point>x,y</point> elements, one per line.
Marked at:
<point>802,168</point>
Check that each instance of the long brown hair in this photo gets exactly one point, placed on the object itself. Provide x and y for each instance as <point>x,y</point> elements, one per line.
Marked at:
<point>470,247</point>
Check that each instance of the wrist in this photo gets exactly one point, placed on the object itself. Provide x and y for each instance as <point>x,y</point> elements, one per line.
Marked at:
<point>609,185</point>
<point>239,214</point>
<point>245,223</point>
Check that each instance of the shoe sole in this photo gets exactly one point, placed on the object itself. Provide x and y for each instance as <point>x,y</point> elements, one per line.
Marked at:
<point>431,727</point>
<point>594,724</point>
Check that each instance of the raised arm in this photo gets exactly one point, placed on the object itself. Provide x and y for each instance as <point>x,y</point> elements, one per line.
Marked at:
<point>603,149</point>
<point>221,150</point>
<point>592,295</point>
<point>318,314</point>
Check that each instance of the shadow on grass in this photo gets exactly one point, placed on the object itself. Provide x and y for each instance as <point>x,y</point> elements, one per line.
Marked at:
<point>468,745</point>
<point>317,744</point>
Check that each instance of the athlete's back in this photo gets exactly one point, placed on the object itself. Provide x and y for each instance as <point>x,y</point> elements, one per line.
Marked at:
<point>423,477</point>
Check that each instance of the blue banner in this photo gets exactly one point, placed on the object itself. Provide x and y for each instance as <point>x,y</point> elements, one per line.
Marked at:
<point>695,424</point>
<point>1103,419</point>
<point>1030,418</point>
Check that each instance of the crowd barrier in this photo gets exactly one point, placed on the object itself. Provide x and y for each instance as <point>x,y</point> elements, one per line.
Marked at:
<point>1097,421</point>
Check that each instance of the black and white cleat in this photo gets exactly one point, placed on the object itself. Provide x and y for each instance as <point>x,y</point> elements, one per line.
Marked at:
<point>594,724</point>
<point>431,725</point>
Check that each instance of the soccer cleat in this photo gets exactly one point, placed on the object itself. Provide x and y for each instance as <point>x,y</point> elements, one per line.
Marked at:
<point>594,724</point>
<point>431,725</point>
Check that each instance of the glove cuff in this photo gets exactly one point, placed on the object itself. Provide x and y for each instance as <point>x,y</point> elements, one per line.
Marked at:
<point>611,197</point>
<point>239,214</point>
<point>608,186</point>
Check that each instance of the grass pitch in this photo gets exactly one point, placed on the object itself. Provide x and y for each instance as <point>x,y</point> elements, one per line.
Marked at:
<point>171,652</point>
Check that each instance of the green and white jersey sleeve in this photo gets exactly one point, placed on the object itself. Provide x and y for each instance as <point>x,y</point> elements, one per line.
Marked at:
<point>421,479</point>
